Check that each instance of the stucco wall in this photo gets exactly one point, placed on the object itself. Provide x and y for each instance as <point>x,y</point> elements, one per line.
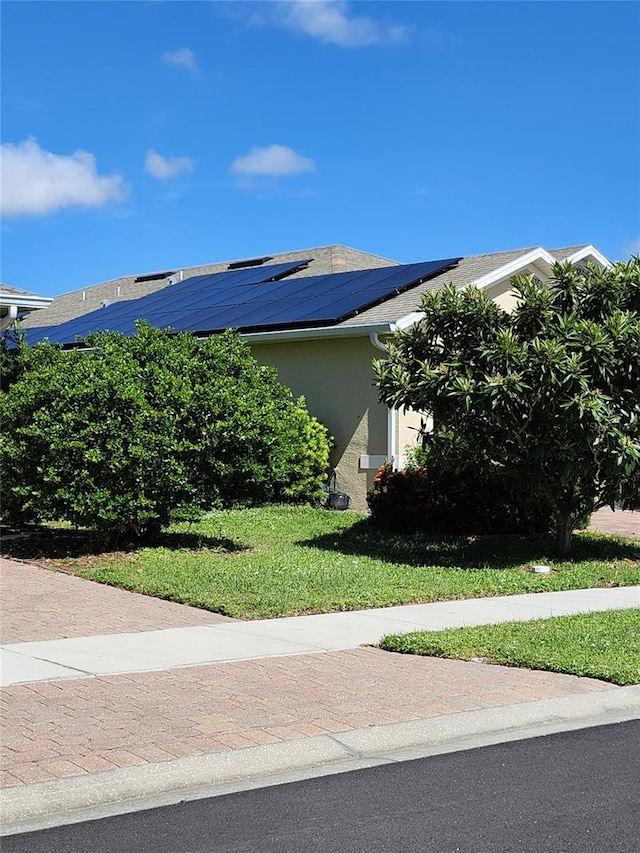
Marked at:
<point>503,295</point>
<point>408,432</point>
<point>335,377</point>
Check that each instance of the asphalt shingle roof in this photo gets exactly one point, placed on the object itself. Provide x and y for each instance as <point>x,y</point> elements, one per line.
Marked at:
<point>327,259</point>
<point>14,291</point>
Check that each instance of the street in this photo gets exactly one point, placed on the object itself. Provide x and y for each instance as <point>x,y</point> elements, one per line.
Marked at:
<point>572,792</point>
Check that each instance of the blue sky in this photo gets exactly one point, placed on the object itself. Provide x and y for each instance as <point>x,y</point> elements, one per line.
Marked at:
<point>142,136</point>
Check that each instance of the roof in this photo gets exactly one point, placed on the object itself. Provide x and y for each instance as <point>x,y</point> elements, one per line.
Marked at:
<point>222,299</point>
<point>465,272</point>
<point>13,291</point>
<point>325,259</point>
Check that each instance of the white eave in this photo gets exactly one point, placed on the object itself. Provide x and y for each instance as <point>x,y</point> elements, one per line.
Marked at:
<point>318,333</point>
<point>536,257</point>
<point>589,253</point>
<point>24,301</point>
<point>539,259</point>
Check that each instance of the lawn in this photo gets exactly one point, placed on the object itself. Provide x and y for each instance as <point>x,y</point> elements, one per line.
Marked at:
<point>277,561</point>
<point>598,645</point>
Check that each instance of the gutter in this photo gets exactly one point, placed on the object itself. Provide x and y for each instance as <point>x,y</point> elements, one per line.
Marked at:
<point>24,301</point>
<point>319,333</point>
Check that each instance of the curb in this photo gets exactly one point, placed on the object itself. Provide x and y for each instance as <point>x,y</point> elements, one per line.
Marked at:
<point>28,808</point>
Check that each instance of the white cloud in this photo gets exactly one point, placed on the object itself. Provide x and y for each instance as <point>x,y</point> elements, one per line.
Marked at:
<point>330,21</point>
<point>36,182</point>
<point>632,247</point>
<point>273,160</point>
<point>167,167</point>
<point>184,57</point>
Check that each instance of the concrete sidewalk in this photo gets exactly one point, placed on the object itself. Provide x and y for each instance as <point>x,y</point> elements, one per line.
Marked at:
<point>172,648</point>
<point>115,701</point>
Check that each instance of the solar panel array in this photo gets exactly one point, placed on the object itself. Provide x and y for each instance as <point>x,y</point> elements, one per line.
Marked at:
<point>254,299</point>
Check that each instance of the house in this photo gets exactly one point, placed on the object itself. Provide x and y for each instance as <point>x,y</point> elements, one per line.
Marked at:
<point>15,304</point>
<point>319,316</point>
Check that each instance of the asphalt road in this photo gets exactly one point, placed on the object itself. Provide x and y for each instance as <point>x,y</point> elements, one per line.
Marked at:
<point>575,792</point>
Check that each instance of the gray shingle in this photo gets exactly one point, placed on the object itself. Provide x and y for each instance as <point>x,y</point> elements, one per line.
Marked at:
<point>561,254</point>
<point>325,259</point>
<point>467,270</point>
<point>14,291</point>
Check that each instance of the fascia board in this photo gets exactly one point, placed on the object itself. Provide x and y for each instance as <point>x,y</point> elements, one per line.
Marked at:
<point>22,301</point>
<point>514,267</point>
<point>493,277</point>
<point>409,320</point>
<point>589,253</point>
<point>538,256</point>
<point>318,333</point>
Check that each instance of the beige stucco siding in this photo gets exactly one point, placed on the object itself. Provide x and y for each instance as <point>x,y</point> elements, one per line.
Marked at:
<point>335,377</point>
<point>504,295</point>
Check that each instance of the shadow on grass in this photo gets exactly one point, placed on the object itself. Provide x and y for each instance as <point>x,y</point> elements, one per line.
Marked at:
<point>55,543</point>
<point>470,552</point>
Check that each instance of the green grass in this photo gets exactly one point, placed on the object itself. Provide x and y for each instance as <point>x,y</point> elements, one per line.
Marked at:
<point>276,561</point>
<point>599,645</point>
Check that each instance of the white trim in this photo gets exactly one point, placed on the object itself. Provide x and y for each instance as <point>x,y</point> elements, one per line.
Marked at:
<point>320,332</point>
<point>391,435</point>
<point>25,301</point>
<point>544,259</point>
<point>409,320</point>
<point>591,253</point>
<point>500,273</point>
<point>513,267</point>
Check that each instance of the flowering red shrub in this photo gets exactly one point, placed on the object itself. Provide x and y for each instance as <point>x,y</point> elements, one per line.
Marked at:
<point>400,500</point>
<point>450,501</point>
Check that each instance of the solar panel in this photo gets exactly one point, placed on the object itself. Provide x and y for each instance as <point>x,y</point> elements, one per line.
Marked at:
<point>251,299</point>
<point>159,307</point>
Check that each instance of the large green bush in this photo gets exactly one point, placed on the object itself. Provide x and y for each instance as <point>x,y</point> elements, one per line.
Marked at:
<point>547,396</point>
<point>138,431</point>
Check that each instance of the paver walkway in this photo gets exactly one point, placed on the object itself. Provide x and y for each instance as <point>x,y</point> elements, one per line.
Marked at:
<point>58,729</point>
<point>38,604</point>
<point>55,729</point>
<point>625,523</point>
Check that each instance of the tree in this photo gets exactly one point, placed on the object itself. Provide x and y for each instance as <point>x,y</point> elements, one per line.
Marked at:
<point>546,397</point>
<point>11,340</point>
<point>138,431</point>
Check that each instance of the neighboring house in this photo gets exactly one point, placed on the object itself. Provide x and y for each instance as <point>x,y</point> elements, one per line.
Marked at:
<point>319,316</point>
<point>16,304</point>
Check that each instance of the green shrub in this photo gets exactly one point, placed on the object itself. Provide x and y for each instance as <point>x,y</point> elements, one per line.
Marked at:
<point>547,394</point>
<point>144,430</point>
<point>433,499</point>
<point>400,500</point>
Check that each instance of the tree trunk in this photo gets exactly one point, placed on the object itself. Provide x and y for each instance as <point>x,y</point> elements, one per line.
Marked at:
<point>564,534</point>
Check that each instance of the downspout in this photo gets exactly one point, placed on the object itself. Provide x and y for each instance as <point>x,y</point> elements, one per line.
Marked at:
<point>9,321</point>
<point>374,337</point>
